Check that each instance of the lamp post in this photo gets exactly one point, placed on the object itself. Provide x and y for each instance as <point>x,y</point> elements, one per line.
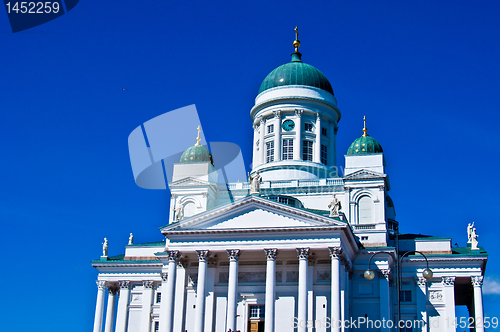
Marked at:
<point>370,274</point>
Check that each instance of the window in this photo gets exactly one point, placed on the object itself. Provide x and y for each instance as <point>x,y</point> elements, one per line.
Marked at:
<point>307,150</point>
<point>365,210</point>
<point>308,126</point>
<point>364,238</point>
<point>257,312</point>
<point>405,296</point>
<point>157,326</point>
<point>323,132</point>
<point>269,151</point>
<point>287,149</point>
<point>324,154</point>
<point>158,297</point>
<point>270,129</point>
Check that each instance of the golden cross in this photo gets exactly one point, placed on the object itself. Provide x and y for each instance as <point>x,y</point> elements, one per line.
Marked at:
<point>364,126</point>
<point>296,33</point>
<point>198,138</point>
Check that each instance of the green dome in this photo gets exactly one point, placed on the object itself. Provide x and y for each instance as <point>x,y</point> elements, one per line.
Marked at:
<point>195,154</point>
<point>296,72</point>
<point>365,145</point>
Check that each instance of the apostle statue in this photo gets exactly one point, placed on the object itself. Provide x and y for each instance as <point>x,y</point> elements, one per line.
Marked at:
<point>255,180</point>
<point>131,239</point>
<point>473,240</point>
<point>469,232</point>
<point>179,210</point>
<point>105,248</point>
<point>334,206</point>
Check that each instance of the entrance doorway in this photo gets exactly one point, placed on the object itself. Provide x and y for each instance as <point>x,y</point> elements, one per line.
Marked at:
<point>256,318</point>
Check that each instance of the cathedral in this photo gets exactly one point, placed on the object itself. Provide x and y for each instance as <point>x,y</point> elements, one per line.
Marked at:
<point>299,247</point>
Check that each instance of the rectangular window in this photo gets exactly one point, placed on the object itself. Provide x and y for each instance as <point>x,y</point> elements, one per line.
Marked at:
<point>308,126</point>
<point>405,296</point>
<point>324,154</point>
<point>270,129</point>
<point>269,151</point>
<point>307,150</point>
<point>157,326</point>
<point>287,149</point>
<point>323,132</point>
<point>257,312</point>
<point>158,297</point>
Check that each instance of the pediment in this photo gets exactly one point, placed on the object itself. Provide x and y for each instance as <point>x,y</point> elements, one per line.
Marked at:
<point>189,182</point>
<point>253,213</point>
<point>364,174</point>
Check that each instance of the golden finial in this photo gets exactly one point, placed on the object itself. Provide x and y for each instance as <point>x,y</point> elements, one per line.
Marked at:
<point>364,127</point>
<point>198,138</point>
<point>296,42</point>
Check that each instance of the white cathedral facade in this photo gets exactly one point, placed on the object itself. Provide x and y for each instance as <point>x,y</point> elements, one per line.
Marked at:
<point>290,249</point>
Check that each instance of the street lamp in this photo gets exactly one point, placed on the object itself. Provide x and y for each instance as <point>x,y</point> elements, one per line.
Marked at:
<point>370,274</point>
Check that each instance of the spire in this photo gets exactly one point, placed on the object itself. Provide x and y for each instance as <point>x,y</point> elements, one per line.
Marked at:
<point>296,43</point>
<point>364,127</point>
<point>198,138</point>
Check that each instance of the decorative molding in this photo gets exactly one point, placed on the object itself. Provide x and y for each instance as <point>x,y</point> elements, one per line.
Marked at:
<point>292,276</point>
<point>302,253</point>
<point>420,282</point>
<point>298,113</point>
<point>271,254</point>
<point>234,254</point>
<point>182,262</point>
<point>101,284</point>
<point>448,281</point>
<point>164,276</point>
<point>212,261</point>
<point>323,276</point>
<point>436,295</point>
<point>148,284</point>
<point>202,255</point>
<point>112,290</point>
<point>477,281</point>
<point>385,273</point>
<point>204,194</point>
<point>277,114</point>
<point>173,255</point>
<point>381,188</point>
<point>335,252</point>
<point>251,277</point>
<point>223,277</point>
<point>124,284</point>
<point>318,116</point>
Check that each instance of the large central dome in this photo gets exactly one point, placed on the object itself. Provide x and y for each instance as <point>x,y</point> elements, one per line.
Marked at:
<point>296,72</point>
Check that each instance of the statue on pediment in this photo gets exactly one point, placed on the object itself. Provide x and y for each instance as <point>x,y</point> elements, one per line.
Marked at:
<point>179,210</point>
<point>469,232</point>
<point>473,239</point>
<point>105,248</point>
<point>131,239</point>
<point>334,206</point>
<point>255,180</point>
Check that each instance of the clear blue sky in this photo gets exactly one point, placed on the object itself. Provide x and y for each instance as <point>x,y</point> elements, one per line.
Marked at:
<point>425,73</point>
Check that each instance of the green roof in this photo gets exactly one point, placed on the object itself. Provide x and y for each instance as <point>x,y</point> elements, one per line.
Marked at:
<point>365,145</point>
<point>296,72</point>
<point>195,154</point>
<point>147,244</point>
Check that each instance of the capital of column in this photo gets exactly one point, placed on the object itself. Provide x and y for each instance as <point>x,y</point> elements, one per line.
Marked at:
<point>233,254</point>
<point>277,114</point>
<point>173,255</point>
<point>112,290</point>
<point>164,276</point>
<point>448,281</point>
<point>101,284</point>
<point>421,282</point>
<point>335,252</point>
<point>124,284</point>
<point>385,273</point>
<point>298,113</point>
<point>477,281</point>
<point>148,283</point>
<point>271,254</point>
<point>302,253</point>
<point>318,116</point>
<point>202,255</point>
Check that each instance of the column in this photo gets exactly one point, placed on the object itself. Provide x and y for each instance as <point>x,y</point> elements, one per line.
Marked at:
<point>180,296</point>
<point>199,319</point>
<point>449,298</point>
<point>232,289</point>
<point>385,297</point>
<point>277,136</point>
<point>422,302</point>
<point>99,307</point>
<point>147,301</point>
<point>262,144</point>
<point>335,255</point>
<point>270,289</point>
<point>332,153</point>
<point>168,293</point>
<point>477,283</point>
<point>163,301</point>
<point>255,147</point>
<point>110,311</point>
<point>122,314</point>
<point>310,291</point>
<point>317,145</point>
<point>303,255</point>
<point>297,147</point>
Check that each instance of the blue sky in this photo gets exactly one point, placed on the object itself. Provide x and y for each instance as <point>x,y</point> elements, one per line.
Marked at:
<point>426,75</point>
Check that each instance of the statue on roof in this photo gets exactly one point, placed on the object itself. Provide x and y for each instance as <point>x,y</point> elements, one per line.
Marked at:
<point>105,248</point>
<point>131,239</point>
<point>178,210</point>
<point>469,232</point>
<point>334,206</point>
<point>255,180</point>
<point>473,240</point>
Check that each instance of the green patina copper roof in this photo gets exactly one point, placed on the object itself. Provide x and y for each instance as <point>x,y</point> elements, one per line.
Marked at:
<point>365,145</point>
<point>195,154</point>
<point>296,72</point>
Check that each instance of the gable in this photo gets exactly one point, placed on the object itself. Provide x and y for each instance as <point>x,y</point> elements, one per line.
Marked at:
<point>364,174</point>
<point>259,219</point>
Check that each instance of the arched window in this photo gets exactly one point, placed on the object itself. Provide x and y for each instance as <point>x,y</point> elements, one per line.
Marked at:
<point>189,209</point>
<point>365,210</point>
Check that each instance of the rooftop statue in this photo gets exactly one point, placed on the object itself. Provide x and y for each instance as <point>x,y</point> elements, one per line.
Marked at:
<point>334,206</point>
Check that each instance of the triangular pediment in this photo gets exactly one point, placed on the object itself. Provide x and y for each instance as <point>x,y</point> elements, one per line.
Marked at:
<point>364,174</point>
<point>253,213</point>
<point>189,182</point>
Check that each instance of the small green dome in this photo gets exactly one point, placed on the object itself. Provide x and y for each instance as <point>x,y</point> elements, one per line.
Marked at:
<point>195,154</point>
<point>365,145</point>
<point>296,72</point>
